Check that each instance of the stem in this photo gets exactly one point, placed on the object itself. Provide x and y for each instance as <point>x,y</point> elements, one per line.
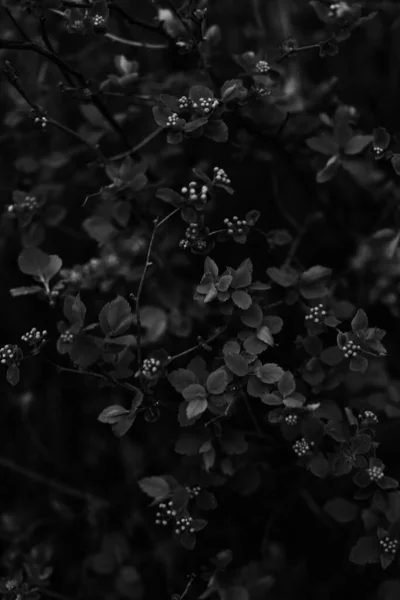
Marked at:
<point>78,137</point>
<point>116,38</point>
<point>17,25</point>
<point>138,146</point>
<point>56,485</point>
<point>215,335</point>
<point>148,263</point>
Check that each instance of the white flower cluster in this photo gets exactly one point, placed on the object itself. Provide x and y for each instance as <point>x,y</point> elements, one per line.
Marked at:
<point>389,545</point>
<point>42,121</point>
<point>351,349</point>
<point>29,204</point>
<point>316,314</point>
<point>375,473</point>
<point>195,191</point>
<point>220,176</point>
<point>235,226</point>
<point>34,336</point>
<point>262,67</point>
<point>301,447</point>
<point>368,415</point>
<point>184,102</point>
<point>206,104</point>
<point>150,367</point>
<point>291,419</point>
<point>67,337</point>
<point>338,9</point>
<point>172,120</point>
<point>6,354</point>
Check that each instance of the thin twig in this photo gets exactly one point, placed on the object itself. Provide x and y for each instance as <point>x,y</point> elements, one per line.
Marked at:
<point>148,263</point>
<point>120,40</point>
<point>213,337</point>
<point>56,485</point>
<point>17,25</point>
<point>138,146</point>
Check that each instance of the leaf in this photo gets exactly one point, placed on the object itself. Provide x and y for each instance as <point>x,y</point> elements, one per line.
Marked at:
<point>264,334</point>
<point>236,593</point>
<point>12,374</point>
<point>155,487</point>
<point>329,171</point>
<point>271,399</point>
<point>357,144</point>
<point>285,277</point>
<point>358,364</point>
<point>324,144</point>
<point>211,267</point>
<point>25,290</point>
<point>286,384</point>
<point>74,310</point>
<point>199,92</point>
<point>112,414</point>
<point>116,317</point>
<point>169,196</point>
<point>395,160</point>
<point>242,299</point>
<point>196,408</point>
<point>341,510</point>
<point>359,321</point>
<point>269,373</point>
<point>237,364</point>
<point>194,392</point>
<point>217,382</point>
<point>99,229</point>
<point>188,540</point>
<point>233,441</point>
<point>35,262</point>
<point>365,551</point>
<point>319,466</point>
<point>190,443</point>
<point>253,345</point>
<point>242,276</point>
<point>253,316</point>
<point>217,131</point>
<point>332,356</point>
<point>181,379</point>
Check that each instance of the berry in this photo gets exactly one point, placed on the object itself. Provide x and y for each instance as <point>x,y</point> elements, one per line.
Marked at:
<point>184,102</point>
<point>262,66</point>
<point>98,21</point>
<point>301,447</point>
<point>378,151</point>
<point>316,314</point>
<point>351,349</point>
<point>236,227</point>
<point>375,473</point>
<point>220,176</point>
<point>7,354</point>
<point>34,337</point>
<point>42,121</point>
<point>195,191</point>
<point>389,545</point>
<point>339,9</point>
<point>172,120</point>
<point>291,419</point>
<point>27,204</point>
<point>194,491</point>
<point>206,105</point>
<point>67,337</point>
<point>11,584</point>
<point>151,368</point>
<point>368,415</point>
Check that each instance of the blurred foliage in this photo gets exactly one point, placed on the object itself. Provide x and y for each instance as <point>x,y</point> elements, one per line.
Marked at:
<point>137,139</point>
